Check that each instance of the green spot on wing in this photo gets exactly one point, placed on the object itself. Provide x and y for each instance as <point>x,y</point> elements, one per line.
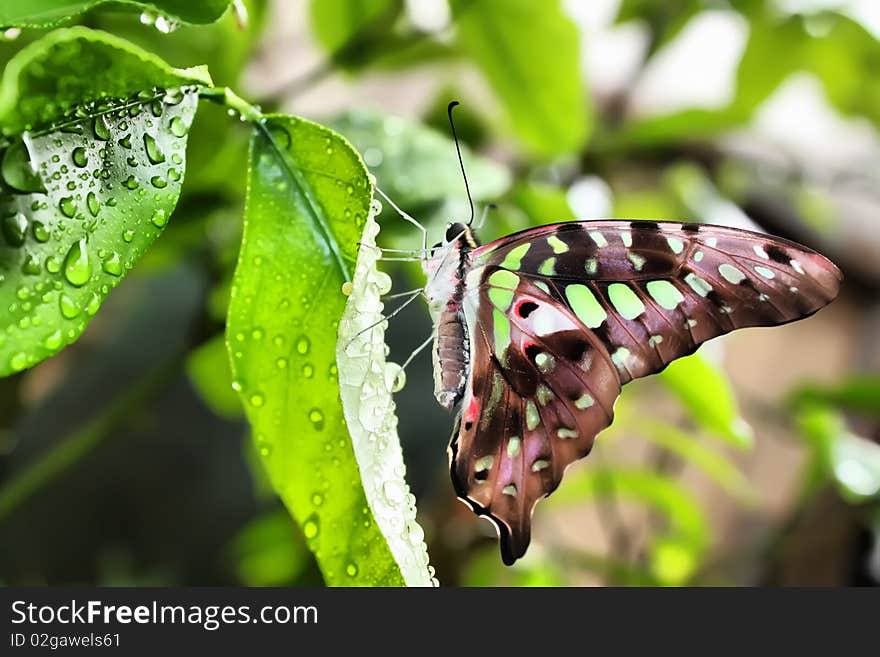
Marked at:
<point>513,260</point>
<point>625,301</point>
<point>585,305</point>
<point>665,294</point>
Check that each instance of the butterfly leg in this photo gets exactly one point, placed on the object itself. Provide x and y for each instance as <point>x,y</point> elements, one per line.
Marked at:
<point>417,351</point>
<point>407,218</point>
<point>413,296</point>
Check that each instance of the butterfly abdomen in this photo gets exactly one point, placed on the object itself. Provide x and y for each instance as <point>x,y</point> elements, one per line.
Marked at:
<point>451,358</point>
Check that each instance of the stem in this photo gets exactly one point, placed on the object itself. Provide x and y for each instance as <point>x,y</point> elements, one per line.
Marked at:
<point>226,96</point>
<point>71,449</point>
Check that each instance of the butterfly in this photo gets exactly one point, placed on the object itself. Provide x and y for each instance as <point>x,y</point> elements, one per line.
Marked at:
<point>535,333</point>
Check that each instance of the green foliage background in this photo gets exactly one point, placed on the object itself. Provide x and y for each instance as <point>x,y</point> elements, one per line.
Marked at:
<point>192,432</point>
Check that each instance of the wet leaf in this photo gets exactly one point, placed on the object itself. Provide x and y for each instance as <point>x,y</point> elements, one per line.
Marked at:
<point>110,174</point>
<point>47,13</point>
<point>366,382</point>
<point>308,200</point>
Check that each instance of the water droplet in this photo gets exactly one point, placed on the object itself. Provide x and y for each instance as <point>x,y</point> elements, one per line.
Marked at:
<point>257,399</point>
<point>18,361</point>
<point>41,233</point>
<point>347,288</point>
<point>102,130</point>
<point>80,158</point>
<point>18,171</point>
<point>351,569</point>
<point>53,265</point>
<point>125,142</point>
<point>281,136</point>
<point>257,334</point>
<point>317,499</point>
<point>316,417</point>
<point>308,371</point>
<point>93,304</point>
<point>128,235</point>
<point>264,447</point>
<point>113,264</point>
<point>154,154</point>
<point>281,363</point>
<point>178,127</point>
<point>159,218</point>
<point>302,345</point>
<point>53,340</point>
<point>156,108</point>
<point>31,264</point>
<point>15,229</point>
<point>93,204</point>
<point>311,527</point>
<point>158,182</point>
<point>334,371</point>
<point>77,268</point>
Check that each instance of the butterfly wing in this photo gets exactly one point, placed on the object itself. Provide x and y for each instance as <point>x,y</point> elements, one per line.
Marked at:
<point>561,316</point>
<point>655,291</point>
<point>535,400</point>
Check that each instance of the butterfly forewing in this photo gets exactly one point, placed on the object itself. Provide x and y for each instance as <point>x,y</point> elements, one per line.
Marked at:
<point>654,291</point>
<point>559,317</point>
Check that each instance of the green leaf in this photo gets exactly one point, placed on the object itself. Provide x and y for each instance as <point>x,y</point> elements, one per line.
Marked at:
<point>860,394</point>
<point>719,469</point>
<point>528,52</point>
<point>677,553</point>
<point>851,461</point>
<point>48,13</point>
<point>308,200</point>
<point>338,25</point>
<point>269,551</point>
<point>366,382</point>
<point>707,395</point>
<point>414,164</point>
<point>542,202</point>
<point>81,202</point>
<point>67,69</point>
<point>209,372</point>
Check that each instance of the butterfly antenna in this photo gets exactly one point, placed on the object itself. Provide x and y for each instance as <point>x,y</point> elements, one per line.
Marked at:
<point>460,160</point>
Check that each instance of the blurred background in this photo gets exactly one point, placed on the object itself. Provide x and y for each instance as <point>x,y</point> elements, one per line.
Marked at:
<point>126,459</point>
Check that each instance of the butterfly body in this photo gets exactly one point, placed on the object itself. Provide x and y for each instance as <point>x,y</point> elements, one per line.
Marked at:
<point>537,332</point>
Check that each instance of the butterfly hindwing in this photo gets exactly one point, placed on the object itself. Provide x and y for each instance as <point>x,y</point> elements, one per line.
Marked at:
<point>541,389</point>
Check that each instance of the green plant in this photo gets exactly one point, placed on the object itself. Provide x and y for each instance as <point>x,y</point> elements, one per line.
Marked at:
<point>114,160</point>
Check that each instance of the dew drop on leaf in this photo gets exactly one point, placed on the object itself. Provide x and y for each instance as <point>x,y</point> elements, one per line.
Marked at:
<point>154,154</point>
<point>18,361</point>
<point>316,417</point>
<point>53,340</point>
<point>159,218</point>
<point>15,229</point>
<point>311,527</point>
<point>92,203</point>
<point>317,499</point>
<point>41,233</point>
<point>308,371</point>
<point>80,158</point>
<point>112,264</point>
<point>102,130</point>
<point>128,235</point>
<point>351,569</point>
<point>77,268</point>
<point>178,127</point>
<point>303,345</point>
<point>158,182</point>
<point>257,399</point>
